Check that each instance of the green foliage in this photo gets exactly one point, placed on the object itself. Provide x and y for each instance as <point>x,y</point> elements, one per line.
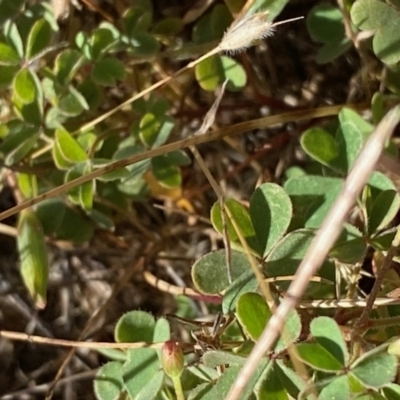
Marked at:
<point>33,256</point>
<point>210,273</point>
<point>215,70</point>
<point>329,354</point>
<point>325,25</point>
<point>383,19</point>
<point>55,95</point>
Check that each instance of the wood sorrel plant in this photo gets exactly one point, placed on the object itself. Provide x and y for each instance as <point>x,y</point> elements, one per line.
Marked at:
<point>57,138</point>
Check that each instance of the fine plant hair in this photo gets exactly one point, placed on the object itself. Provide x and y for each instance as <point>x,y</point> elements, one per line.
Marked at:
<point>243,33</point>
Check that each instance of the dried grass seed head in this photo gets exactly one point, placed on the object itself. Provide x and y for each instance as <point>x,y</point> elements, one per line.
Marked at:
<point>243,33</point>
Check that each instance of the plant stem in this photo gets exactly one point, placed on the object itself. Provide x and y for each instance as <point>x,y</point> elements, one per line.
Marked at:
<point>383,322</point>
<point>361,323</point>
<point>178,388</point>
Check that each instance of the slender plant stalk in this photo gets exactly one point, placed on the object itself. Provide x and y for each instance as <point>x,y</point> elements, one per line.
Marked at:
<point>242,127</point>
<point>362,322</point>
<point>178,388</point>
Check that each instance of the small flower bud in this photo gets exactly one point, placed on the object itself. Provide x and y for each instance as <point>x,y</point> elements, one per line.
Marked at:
<point>172,359</point>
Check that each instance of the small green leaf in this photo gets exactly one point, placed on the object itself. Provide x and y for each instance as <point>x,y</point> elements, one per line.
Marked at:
<point>143,45</point>
<point>253,314</point>
<point>33,256</point>
<point>31,113</point>
<point>318,357</point>
<point>135,326</point>
<point>213,358</point>
<point>348,115</point>
<point>72,103</point>
<point>86,195</point>
<point>325,25</point>
<point>25,86</point>
<point>154,130</point>
<point>83,43</point>
<point>382,19</point>
<point>377,107</point>
<point>162,331</point>
<point>14,38</point>
<point>234,73</point>
<point>245,283</point>
<point>102,220</point>
<point>211,26</point>
<point>82,194</point>
<point>167,174</point>
<point>319,209</point>
<point>272,386</point>
<point>135,187</point>
<point>392,391</point>
<point>216,69</point>
<point>379,182</point>
<point>331,51</point>
<point>337,388</point>
<point>66,64</point>
<point>91,92</point>
<point>70,150</point>
<point>149,128</point>
<point>199,391</point>
<point>108,384</point>
<point>107,71</point>
<point>128,150</point>
<point>8,56</point>
<point>221,18</point>
<point>27,184</point>
<point>7,74</point>
<point>101,42</point>
<point>20,152</point>
<point>307,190</point>
<point>383,210</point>
<point>179,158</point>
<point>210,272</point>
<point>287,255</point>
<point>270,212</point>
<point>139,370</point>
<point>209,74</point>
<point>291,332</point>
<point>320,145</point>
<point>89,142</point>
<point>137,19</point>
<point>375,368</point>
<point>202,372</point>
<point>274,8</point>
<point>51,213</point>
<point>242,220</point>
<point>38,39</point>
<point>291,381</point>
<point>116,175</point>
<point>168,27</point>
<point>15,132</point>
<point>394,348</point>
<point>10,9</point>
<point>67,229</point>
<point>152,388</point>
<point>351,247</point>
<point>350,140</point>
<point>328,335</point>
<point>59,160</point>
<point>222,386</point>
